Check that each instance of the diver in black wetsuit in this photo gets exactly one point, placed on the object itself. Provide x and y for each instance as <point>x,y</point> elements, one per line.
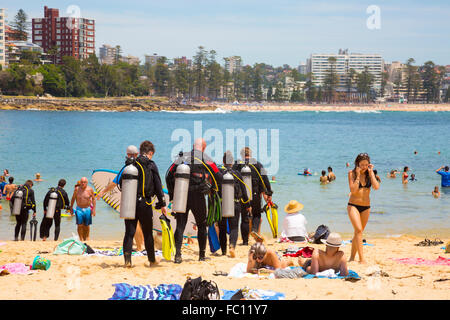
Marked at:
<point>63,202</point>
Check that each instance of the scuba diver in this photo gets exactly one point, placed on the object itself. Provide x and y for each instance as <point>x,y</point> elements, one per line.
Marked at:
<point>55,200</point>
<point>23,202</point>
<point>140,181</point>
<point>240,199</point>
<point>260,187</point>
<point>192,176</point>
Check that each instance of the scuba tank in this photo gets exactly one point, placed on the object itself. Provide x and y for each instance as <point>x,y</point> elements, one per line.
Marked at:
<point>51,208</point>
<point>180,192</point>
<point>228,196</point>
<point>17,206</point>
<point>247,177</point>
<point>129,191</point>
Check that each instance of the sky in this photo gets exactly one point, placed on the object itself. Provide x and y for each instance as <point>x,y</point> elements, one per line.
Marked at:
<point>260,31</point>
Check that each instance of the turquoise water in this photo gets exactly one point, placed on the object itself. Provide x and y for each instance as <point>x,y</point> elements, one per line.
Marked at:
<point>71,145</point>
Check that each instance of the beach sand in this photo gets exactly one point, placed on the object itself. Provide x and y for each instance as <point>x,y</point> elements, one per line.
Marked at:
<point>92,277</point>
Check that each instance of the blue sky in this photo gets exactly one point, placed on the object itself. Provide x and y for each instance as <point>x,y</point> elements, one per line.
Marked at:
<point>274,32</point>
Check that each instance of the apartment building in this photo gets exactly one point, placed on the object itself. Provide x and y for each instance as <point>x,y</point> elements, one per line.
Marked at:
<point>2,38</point>
<point>152,59</point>
<point>108,54</point>
<point>319,65</point>
<point>233,64</point>
<point>64,36</point>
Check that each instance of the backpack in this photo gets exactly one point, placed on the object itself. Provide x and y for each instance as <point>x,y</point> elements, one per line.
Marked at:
<point>71,246</point>
<point>322,232</point>
<point>198,289</point>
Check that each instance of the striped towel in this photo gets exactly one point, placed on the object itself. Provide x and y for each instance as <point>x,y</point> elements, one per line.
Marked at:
<point>254,294</point>
<point>351,275</point>
<point>124,291</point>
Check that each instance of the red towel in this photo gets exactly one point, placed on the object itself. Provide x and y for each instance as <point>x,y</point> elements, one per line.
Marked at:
<point>305,252</point>
<point>441,261</point>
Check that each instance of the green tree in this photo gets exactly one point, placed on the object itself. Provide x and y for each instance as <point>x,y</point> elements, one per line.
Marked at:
<point>76,84</point>
<point>310,91</point>
<point>54,82</point>
<point>331,80</point>
<point>200,61</point>
<point>350,82</point>
<point>162,77</point>
<point>21,24</point>
<point>364,84</point>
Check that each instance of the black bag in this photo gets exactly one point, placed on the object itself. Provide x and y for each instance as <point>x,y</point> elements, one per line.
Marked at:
<point>198,289</point>
<point>322,232</point>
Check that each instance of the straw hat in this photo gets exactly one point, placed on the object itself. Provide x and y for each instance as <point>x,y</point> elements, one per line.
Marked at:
<point>333,240</point>
<point>293,206</point>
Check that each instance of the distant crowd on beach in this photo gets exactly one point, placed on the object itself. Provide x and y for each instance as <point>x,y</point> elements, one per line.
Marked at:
<point>362,178</point>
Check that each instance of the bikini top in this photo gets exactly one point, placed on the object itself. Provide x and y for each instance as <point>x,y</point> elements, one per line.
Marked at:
<point>368,184</point>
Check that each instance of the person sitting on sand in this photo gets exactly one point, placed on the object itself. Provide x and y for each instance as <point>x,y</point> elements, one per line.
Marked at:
<point>262,259</point>
<point>294,224</point>
<point>38,177</point>
<point>436,192</point>
<point>331,175</point>
<point>324,178</point>
<point>331,258</point>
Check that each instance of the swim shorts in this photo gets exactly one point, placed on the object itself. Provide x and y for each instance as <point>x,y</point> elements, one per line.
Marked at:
<point>83,216</point>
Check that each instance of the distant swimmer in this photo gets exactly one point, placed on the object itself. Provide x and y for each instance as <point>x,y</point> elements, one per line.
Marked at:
<point>405,175</point>
<point>38,177</point>
<point>306,171</point>
<point>331,175</point>
<point>84,196</point>
<point>445,176</point>
<point>347,164</point>
<point>324,178</point>
<point>393,174</point>
<point>436,192</point>
<point>415,152</point>
<point>413,177</point>
<point>6,173</point>
<point>273,179</point>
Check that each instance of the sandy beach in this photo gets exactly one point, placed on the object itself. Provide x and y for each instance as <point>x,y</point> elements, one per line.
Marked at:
<point>92,277</point>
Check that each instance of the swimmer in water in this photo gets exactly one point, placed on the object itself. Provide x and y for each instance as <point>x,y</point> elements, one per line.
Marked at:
<point>413,177</point>
<point>393,174</point>
<point>324,178</point>
<point>405,175</point>
<point>38,177</point>
<point>436,192</point>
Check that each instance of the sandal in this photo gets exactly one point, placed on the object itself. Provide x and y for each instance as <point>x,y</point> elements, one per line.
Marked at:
<point>220,273</point>
<point>424,243</point>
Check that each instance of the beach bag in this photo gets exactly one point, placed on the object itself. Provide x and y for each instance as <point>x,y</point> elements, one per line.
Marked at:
<point>198,289</point>
<point>71,246</point>
<point>322,232</point>
<point>40,263</point>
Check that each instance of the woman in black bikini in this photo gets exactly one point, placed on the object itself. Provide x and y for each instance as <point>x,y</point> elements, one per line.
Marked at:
<point>360,180</point>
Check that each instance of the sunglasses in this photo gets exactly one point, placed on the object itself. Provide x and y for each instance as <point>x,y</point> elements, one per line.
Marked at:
<point>363,154</point>
<point>259,257</point>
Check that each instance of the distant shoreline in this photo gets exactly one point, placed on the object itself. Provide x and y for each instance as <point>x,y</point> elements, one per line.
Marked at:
<point>127,104</point>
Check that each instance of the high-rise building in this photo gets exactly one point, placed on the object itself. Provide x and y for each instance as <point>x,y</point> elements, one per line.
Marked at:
<point>319,65</point>
<point>64,36</point>
<point>233,64</point>
<point>152,60</point>
<point>108,54</point>
<point>2,37</point>
<point>302,68</point>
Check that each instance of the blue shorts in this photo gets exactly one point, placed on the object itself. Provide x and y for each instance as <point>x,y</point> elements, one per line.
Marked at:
<point>83,216</point>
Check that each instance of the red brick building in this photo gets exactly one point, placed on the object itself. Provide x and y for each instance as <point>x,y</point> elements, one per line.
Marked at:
<point>64,36</point>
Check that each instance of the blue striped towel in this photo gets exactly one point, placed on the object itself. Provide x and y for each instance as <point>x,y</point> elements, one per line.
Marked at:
<point>124,291</point>
<point>255,294</point>
<point>351,275</point>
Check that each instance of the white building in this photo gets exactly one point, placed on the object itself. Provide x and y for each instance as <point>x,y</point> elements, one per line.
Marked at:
<point>233,64</point>
<point>2,38</point>
<point>302,68</point>
<point>319,64</point>
<point>152,60</point>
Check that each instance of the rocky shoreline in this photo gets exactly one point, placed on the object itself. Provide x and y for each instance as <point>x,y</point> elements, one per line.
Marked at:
<point>107,104</point>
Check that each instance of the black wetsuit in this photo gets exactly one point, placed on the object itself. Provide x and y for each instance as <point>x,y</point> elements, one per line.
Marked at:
<point>241,203</point>
<point>144,211</point>
<point>257,187</point>
<point>28,203</point>
<point>63,202</point>
<point>199,177</point>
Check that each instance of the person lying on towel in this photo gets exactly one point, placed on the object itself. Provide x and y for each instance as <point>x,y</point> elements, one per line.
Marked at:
<point>262,260</point>
<point>331,258</point>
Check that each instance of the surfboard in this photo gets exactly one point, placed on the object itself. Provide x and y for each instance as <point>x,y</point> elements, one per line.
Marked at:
<point>102,177</point>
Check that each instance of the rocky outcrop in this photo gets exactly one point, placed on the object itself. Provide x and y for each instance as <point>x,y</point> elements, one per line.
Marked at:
<point>88,104</point>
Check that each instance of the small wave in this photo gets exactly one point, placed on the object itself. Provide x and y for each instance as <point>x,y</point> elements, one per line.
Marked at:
<point>366,111</point>
<point>218,110</point>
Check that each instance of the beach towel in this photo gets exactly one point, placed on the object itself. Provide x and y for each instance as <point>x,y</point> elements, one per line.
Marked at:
<point>345,242</point>
<point>254,294</point>
<point>124,291</point>
<point>239,270</point>
<point>305,252</point>
<point>290,273</point>
<point>113,252</point>
<point>331,274</point>
<point>17,268</point>
<point>441,261</point>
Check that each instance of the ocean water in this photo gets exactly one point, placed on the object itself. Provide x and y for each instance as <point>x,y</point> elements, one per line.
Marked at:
<point>71,145</point>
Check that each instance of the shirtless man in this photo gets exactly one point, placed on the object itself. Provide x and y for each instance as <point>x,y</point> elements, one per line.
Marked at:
<point>9,190</point>
<point>262,259</point>
<point>331,175</point>
<point>84,196</point>
<point>331,258</point>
